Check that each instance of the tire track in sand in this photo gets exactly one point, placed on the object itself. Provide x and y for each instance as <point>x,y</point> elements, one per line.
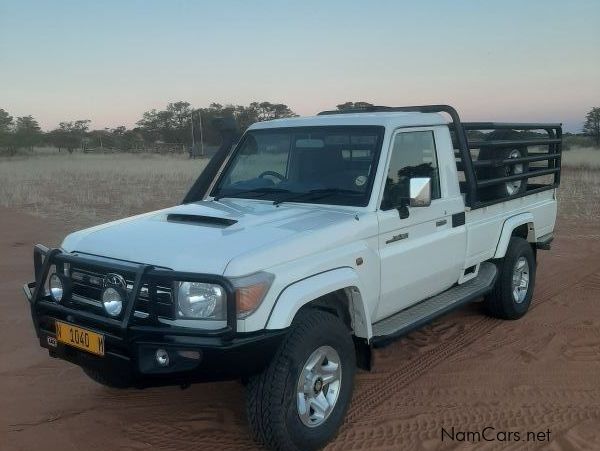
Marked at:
<point>366,402</point>
<point>391,432</point>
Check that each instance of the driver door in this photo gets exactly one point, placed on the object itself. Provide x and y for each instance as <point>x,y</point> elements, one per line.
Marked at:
<point>421,255</point>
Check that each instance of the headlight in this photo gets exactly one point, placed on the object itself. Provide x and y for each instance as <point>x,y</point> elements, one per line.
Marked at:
<point>198,300</point>
<point>56,287</point>
<point>250,292</point>
<point>112,300</point>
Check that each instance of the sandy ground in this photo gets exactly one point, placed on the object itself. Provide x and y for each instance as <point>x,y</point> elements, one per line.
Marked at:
<point>465,371</point>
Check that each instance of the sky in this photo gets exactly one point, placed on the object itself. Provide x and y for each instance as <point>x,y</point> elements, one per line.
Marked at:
<point>109,61</point>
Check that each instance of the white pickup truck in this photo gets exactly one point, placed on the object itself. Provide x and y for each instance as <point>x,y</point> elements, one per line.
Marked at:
<point>298,250</point>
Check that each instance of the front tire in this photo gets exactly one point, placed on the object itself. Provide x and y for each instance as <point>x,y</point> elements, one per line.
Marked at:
<point>512,293</point>
<point>299,401</point>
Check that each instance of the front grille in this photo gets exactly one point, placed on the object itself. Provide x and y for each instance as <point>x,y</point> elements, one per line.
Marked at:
<point>87,286</point>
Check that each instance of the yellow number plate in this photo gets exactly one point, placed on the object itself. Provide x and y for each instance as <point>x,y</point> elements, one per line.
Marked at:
<point>80,338</point>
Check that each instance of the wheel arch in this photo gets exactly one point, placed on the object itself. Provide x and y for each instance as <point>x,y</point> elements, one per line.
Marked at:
<point>337,291</point>
<point>521,225</point>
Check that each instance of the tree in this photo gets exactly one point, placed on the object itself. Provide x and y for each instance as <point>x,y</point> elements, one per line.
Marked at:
<point>69,135</point>
<point>266,111</point>
<point>27,132</point>
<point>172,125</point>
<point>592,125</point>
<point>245,116</point>
<point>180,115</point>
<point>206,117</point>
<point>118,138</point>
<point>56,138</point>
<point>150,125</point>
<point>6,123</point>
<point>80,129</point>
<point>353,105</point>
<point>66,136</point>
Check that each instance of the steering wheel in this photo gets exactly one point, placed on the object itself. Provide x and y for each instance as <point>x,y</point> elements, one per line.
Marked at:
<point>277,175</point>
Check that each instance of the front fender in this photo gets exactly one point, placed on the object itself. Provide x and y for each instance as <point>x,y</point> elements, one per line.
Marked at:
<point>300,293</point>
<point>507,229</point>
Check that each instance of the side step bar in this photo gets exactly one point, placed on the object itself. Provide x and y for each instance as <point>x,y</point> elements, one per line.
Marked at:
<point>426,311</point>
<point>545,241</point>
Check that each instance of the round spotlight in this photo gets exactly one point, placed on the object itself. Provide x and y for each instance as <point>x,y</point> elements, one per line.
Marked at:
<point>56,286</point>
<point>162,357</point>
<point>112,300</point>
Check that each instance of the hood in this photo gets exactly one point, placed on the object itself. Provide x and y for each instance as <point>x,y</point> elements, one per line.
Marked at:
<point>204,237</point>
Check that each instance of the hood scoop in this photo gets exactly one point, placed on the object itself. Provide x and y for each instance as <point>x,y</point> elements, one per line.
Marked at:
<point>200,220</point>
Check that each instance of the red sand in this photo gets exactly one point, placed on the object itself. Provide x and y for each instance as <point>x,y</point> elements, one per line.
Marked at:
<point>465,371</point>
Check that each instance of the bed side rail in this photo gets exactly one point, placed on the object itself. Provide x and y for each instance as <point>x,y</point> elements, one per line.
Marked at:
<point>544,151</point>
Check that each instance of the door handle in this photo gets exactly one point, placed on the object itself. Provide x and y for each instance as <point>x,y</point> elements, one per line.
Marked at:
<point>441,222</point>
<point>401,236</point>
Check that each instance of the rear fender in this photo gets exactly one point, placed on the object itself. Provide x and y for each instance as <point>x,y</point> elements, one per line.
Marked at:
<point>509,227</point>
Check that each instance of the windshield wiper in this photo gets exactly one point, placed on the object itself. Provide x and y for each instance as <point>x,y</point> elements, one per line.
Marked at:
<point>260,191</point>
<point>316,194</point>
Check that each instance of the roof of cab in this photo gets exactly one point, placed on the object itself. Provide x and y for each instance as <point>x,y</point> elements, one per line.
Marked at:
<point>386,119</point>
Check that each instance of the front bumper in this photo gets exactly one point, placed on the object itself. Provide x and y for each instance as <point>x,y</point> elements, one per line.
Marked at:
<point>130,347</point>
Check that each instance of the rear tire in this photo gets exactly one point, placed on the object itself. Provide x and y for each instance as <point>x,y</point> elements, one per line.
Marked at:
<point>512,293</point>
<point>284,401</point>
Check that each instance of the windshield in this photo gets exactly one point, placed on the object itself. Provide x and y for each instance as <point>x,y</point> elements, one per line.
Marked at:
<point>331,165</point>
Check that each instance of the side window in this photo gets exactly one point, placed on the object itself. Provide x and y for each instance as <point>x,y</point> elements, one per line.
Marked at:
<point>413,155</point>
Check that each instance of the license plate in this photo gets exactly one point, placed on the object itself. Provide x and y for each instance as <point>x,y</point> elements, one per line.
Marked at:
<point>80,338</point>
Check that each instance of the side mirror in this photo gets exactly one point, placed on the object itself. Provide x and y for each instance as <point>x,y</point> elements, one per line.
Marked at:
<point>420,192</point>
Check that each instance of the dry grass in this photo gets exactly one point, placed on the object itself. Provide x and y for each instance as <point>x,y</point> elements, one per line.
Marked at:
<point>94,188</point>
<point>582,157</point>
<point>88,189</point>
<point>579,194</point>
